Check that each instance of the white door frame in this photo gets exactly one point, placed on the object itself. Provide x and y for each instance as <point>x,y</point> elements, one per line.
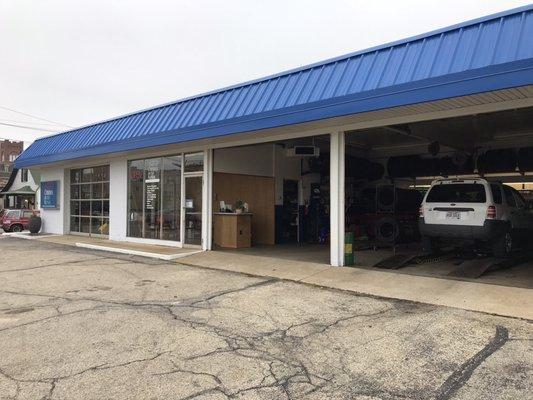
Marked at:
<point>207,200</point>
<point>199,174</point>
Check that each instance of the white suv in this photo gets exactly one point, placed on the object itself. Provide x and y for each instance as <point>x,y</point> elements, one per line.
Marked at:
<point>477,211</point>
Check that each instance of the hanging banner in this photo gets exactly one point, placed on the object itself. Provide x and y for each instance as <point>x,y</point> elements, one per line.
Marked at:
<point>50,194</point>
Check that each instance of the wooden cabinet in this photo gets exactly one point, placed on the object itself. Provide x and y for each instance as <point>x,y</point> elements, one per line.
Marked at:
<point>232,230</point>
<point>258,192</point>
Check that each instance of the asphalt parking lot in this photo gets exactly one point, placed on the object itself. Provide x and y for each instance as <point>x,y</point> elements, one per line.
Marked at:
<point>81,324</point>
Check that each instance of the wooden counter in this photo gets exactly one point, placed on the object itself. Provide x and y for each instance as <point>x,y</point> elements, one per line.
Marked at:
<point>232,230</point>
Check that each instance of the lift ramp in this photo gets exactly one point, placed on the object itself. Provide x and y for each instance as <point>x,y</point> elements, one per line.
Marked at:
<point>474,268</point>
<point>480,265</point>
<point>468,267</point>
<point>401,260</point>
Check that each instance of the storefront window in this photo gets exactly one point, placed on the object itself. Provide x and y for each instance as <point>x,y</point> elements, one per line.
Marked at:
<point>89,200</point>
<point>171,196</point>
<point>194,162</point>
<point>136,195</point>
<point>155,197</point>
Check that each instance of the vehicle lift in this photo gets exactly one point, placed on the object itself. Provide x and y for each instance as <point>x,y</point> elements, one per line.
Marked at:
<point>470,264</point>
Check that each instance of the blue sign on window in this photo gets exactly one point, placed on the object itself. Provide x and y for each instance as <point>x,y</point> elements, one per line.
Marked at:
<point>50,194</point>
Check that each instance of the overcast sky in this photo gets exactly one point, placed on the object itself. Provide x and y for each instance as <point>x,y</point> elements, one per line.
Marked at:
<point>76,62</point>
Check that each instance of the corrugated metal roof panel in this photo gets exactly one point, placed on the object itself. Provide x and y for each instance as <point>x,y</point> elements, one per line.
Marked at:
<point>489,53</point>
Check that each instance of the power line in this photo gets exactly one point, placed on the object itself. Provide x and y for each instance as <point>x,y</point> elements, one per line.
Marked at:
<point>34,116</point>
<point>27,127</point>
<point>27,122</point>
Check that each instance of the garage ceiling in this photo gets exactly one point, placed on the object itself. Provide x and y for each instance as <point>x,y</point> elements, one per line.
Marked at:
<point>497,129</point>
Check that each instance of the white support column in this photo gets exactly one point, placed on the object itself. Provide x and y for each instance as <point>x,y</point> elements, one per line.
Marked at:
<point>64,187</point>
<point>118,199</point>
<point>337,198</point>
<point>207,203</point>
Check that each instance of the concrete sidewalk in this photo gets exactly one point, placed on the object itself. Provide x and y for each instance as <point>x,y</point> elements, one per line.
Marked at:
<point>487,298</point>
<point>475,296</point>
<point>94,243</point>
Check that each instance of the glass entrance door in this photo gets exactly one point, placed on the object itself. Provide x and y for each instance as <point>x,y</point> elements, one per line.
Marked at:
<point>165,198</point>
<point>192,210</point>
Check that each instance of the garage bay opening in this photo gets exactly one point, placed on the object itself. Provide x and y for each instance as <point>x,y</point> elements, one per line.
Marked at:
<point>449,197</point>
<point>272,199</point>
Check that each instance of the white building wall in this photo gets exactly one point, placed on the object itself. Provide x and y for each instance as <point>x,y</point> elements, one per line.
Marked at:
<point>18,184</point>
<point>246,160</point>
<point>118,199</point>
<point>261,160</point>
<point>57,221</point>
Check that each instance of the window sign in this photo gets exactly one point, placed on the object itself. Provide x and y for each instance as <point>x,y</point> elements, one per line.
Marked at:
<point>50,194</point>
<point>152,190</point>
<point>153,167</point>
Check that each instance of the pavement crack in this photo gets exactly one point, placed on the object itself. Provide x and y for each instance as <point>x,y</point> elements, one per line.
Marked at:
<point>457,380</point>
<point>106,366</point>
<point>61,264</point>
<point>53,381</point>
<point>59,315</point>
<point>52,388</point>
<point>179,370</point>
<point>326,327</point>
<point>231,291</point>
<point>206,392</point>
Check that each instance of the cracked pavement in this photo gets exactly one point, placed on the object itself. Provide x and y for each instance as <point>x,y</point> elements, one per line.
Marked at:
<point>81,324</point>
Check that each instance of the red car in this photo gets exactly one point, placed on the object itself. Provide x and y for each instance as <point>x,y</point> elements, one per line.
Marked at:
<point>16,220</point>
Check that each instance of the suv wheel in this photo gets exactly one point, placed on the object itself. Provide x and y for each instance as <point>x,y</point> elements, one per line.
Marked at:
<point>504,245</point>
<point>16,228</point>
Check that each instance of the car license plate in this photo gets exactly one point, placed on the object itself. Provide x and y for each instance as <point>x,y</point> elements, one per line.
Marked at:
<point>453,215</point>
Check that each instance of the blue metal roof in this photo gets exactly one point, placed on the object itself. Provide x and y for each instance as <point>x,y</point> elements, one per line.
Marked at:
<point>490,53</point>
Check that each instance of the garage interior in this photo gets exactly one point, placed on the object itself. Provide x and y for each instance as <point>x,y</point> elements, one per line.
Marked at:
<point>273,198</point>
<point>387,171</point>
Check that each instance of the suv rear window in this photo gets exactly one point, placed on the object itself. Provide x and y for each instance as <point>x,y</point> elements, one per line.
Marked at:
<point>509,198</point>
<point>496,193</point>
<point>457,193</point>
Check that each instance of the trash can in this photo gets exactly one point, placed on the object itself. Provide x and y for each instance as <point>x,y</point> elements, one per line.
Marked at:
<point>349,257</point>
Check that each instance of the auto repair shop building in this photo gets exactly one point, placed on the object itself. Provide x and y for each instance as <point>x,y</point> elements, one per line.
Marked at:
<point>292,151</point>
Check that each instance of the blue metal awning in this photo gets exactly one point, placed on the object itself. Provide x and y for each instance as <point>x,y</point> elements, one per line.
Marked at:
<point>490,53</point>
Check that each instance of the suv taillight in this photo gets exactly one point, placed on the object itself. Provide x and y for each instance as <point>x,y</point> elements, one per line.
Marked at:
<point>421,212</point>
<point>491,212</point>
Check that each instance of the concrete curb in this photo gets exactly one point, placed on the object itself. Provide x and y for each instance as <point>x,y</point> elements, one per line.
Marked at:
<point>26,236</point>
<point>166,257</point>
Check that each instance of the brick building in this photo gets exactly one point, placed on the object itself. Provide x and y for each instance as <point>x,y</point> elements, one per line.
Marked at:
<point>9,151</point>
